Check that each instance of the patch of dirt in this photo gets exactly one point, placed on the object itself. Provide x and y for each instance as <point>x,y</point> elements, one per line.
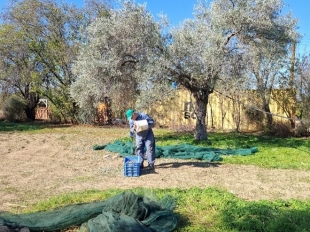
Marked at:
<point>38,166</point>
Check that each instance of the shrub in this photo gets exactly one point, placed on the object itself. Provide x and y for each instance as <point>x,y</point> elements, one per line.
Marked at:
<point>281,129</point>
<point>253,114</point>
<point>302,129</point>
<point>14,108</point>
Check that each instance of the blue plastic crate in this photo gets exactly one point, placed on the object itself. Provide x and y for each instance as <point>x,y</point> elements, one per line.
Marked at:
<point>132,166</point>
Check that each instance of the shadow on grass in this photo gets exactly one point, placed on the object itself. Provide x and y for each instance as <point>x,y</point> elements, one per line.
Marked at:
<point>183,222</point>
<point>28,126</point>
<point>190,163</point>
<point>233,140</point>
<point>266,216</point>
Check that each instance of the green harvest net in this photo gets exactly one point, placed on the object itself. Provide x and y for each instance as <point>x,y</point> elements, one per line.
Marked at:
<point>182,151</point>
<point>124,212</point>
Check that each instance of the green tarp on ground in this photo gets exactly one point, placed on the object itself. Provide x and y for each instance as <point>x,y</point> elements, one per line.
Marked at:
<point>121,213</point>
<point>181,151</point>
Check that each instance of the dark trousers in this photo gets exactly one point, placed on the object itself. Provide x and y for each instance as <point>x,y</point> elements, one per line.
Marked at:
<point>147,143</point>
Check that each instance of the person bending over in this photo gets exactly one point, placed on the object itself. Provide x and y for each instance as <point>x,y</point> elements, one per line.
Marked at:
<point>144,135</point>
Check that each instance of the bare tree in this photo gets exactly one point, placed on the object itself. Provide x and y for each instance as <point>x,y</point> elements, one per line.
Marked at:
<point>302,83</point>
<point>265,67</point>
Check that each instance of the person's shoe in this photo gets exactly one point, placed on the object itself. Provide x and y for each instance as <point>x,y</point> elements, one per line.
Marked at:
<point>151,167</point>
<point>141,166</point>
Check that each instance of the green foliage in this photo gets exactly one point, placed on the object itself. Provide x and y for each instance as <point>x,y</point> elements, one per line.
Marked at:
<point>86,115</point>
<point>111,59</point>
<point>108,64</point>
<point>14,108</point>
<point>38,47</point>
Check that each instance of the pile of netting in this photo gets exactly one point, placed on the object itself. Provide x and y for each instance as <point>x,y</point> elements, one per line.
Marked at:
<point>182,151</point>
<point>124,212</point>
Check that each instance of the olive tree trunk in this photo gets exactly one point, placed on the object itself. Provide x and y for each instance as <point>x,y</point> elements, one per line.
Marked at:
<point>201,101</point>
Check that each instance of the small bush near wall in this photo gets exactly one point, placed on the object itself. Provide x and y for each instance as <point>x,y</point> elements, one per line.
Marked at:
<point>2,117</point>
<point>254,116</point>
<point>281,129</point>
<point>302,129</point>
<point>14,109</point>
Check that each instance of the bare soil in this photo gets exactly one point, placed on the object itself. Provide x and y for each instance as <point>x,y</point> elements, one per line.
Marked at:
<point>36,166</point>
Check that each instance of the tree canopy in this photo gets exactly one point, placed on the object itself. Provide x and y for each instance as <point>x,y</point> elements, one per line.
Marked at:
<point>112,60</point>
<point>77,57</point>
<point>192,55</point>
<point>42,44</point>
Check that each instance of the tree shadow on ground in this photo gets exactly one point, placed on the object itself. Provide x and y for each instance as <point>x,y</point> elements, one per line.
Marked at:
<point>237,140</point>
<point>145,171</point>
<point>266,216</point>
<point>189,163</point>
<point>29,126</point>
<point>183,221</point>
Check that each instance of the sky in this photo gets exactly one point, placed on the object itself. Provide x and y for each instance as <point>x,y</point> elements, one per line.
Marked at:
<point>178,10</point>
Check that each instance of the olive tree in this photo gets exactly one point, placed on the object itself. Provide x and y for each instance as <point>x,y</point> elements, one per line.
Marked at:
<point>220,31</point>
<point>112,60</point>
<point>127,53</point>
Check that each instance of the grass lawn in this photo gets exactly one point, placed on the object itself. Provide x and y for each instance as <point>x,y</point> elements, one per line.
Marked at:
<point>286,153</point>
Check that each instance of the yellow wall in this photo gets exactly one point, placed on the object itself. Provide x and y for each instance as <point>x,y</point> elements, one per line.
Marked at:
<point>177,114</point>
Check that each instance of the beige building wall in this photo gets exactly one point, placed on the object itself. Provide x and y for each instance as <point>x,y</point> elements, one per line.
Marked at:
<point>223,113</point>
